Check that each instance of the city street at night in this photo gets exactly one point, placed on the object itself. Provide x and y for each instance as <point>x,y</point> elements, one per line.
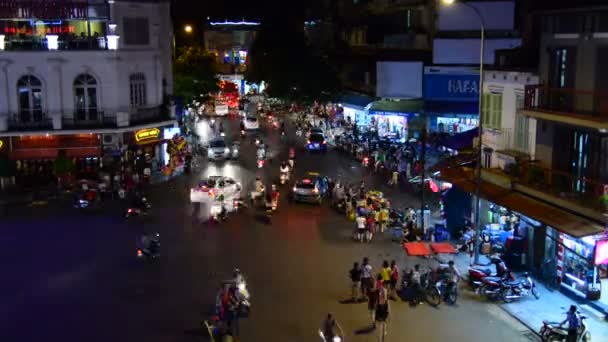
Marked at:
<point>73,275</point>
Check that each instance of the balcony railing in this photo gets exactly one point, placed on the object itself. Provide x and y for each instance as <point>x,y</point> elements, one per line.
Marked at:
<point>583,191</point>
<point>27,123</point>
<point>88,120</point>
<point>566,101</point>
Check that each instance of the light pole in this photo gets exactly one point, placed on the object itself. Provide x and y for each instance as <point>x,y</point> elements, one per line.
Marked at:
<point>480,128</point>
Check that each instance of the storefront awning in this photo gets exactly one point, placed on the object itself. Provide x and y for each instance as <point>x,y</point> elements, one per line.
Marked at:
<point>552,216</point>
<point>458,141</point>
<point>402,107</point>
<point>356,101</point>
<point>447,108</point>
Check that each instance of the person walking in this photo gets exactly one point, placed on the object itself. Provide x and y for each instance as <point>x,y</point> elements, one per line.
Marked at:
<point>372,301</point>
<point>361,225</point>
<point>394,280</point>
<point>382,313</point>
<point>355,278</point>
<point>385,274</point>
<point>366,277</point>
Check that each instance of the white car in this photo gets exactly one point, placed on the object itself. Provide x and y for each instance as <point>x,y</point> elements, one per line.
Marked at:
<point>218,149</point>
<point>251,123</point>
<point>209,190</point>
<point>221,109</point>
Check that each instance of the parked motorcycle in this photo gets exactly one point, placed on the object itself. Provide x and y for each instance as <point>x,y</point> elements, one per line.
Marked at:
<point>492,287</point>
<point>512,290</point>
<point>477,274</point>
<point>553,331</point>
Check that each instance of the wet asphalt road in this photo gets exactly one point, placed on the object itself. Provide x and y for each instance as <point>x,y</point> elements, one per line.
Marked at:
<point>73,276</point>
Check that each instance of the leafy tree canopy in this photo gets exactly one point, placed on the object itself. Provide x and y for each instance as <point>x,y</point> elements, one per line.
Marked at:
<point>282,57</point>
<point>195,74</point>
<point>63,166</point>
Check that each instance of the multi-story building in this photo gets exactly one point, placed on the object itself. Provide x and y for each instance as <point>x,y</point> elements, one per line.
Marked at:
<point>82,76</point>
<point>230,42</point>
<point>544,170</point>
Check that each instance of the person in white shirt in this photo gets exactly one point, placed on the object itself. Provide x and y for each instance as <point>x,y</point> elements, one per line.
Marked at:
<point>367,282</point>
<point>360,227</point>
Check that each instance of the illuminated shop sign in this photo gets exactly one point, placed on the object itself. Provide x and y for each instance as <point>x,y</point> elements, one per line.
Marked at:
<point>148,134</point>
<point>1,144</point>
<point>28,31</point>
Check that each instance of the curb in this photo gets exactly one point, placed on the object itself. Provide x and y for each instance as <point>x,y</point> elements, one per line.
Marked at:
<point>517,318</point>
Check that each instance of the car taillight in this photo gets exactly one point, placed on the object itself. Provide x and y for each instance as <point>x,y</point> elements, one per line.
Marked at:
<point>308,141</point>
<point>139,252</point>
<point>211,193</point>
<point>130,210</point>
<point>324,142</point>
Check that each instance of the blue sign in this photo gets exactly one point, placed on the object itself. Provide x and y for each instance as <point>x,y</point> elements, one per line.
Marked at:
<point>456,87</point>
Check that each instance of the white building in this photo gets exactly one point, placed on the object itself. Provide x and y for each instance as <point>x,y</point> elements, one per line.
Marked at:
<point>507,135</point>
<point>104,67</point>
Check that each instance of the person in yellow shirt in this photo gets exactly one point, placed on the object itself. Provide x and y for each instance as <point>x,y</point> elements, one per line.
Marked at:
<point>384,214</point>
<point>385,273</point>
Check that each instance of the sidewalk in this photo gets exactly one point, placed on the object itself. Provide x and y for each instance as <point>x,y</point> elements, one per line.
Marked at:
<point>551,306</point>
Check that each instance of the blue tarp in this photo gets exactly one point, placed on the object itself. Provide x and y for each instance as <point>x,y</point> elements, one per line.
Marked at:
<point>459,141</point>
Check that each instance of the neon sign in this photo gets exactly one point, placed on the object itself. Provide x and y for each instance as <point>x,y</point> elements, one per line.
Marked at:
<point>148,134</point>
<point>1,144</point>
<point>65,9</point>
<point>235,23</point>
<point>46,30</point>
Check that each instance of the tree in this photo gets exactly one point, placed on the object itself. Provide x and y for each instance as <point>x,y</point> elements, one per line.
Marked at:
<point>282,57</point>
<point>63,166</point>
<point>195,75</point>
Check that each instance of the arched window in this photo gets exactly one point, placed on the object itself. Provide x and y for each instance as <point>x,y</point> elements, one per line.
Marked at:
<point>137,84</point>
<point>85,97</point>
<point>29,89</point>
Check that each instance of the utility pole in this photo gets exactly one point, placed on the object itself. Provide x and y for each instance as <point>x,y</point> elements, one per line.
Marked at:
<point>422,171</point>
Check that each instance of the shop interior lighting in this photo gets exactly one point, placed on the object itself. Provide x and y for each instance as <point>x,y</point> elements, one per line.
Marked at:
<point>112,41</point>
<point>52,41</point>
<point>1,42</point>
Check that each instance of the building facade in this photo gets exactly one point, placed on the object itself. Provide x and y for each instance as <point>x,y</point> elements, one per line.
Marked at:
<point>83,76</point>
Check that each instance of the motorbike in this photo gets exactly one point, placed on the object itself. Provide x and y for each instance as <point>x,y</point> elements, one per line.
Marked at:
<point>335,339</point>
<point>477,274</point>
<point>511,290</point>
<point>491,286</point>
<point>365,162</point>
<point>553,331</point>
<point>150,248</point>
<point>284,177</point>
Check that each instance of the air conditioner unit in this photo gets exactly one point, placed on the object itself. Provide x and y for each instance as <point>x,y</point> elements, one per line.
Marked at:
<point>110,139</point>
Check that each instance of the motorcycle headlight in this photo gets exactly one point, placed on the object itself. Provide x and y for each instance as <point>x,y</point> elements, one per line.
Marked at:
<point>241,286</point>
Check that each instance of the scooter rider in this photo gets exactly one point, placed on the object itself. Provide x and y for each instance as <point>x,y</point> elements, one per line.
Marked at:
<point>284,169</point>
<point>574,323</point>
<point>258,189</point>
<point>261,151</point>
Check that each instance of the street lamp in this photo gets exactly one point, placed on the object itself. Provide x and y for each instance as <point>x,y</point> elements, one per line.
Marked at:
<point>188,28</point>
<point>480,128</point>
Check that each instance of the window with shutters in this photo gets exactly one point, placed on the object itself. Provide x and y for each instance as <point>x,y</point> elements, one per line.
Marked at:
<point>492,111</point>
<point>136,31</point>
<point>85,97</point>
<point>137,87</point>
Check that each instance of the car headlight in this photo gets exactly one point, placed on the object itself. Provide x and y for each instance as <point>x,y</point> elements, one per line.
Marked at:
<point>226,150</point>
